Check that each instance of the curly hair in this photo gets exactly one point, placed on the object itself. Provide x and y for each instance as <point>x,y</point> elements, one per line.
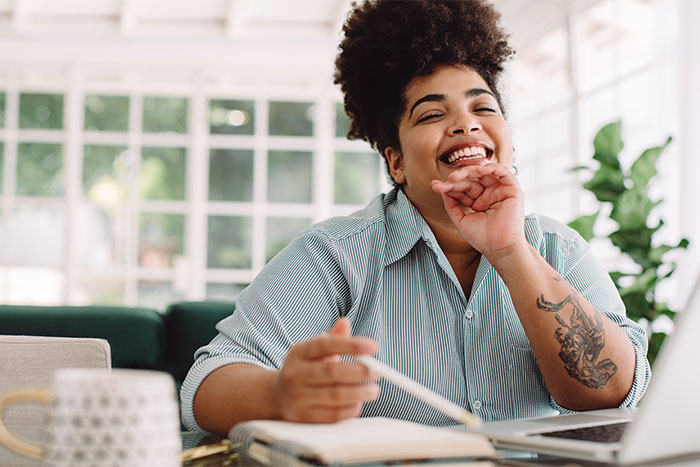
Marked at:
<point>388,43</point>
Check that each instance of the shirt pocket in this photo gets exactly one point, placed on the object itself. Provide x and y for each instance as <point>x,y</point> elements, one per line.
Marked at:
<point>528,394</point>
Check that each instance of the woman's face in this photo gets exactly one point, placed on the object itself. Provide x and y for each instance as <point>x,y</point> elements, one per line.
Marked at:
<point>451,120</point>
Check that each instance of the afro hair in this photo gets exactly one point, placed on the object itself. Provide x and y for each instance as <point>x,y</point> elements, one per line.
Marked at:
<point>388,43</point>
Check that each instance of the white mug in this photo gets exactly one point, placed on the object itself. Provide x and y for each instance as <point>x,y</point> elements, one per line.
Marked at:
<point>100,417</point>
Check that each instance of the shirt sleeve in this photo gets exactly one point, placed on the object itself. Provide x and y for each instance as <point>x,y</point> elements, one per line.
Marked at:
<point>585,273</point>
<point>297,296</point>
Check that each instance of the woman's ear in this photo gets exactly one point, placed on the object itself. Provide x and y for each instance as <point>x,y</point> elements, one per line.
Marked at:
<point>393,157</point>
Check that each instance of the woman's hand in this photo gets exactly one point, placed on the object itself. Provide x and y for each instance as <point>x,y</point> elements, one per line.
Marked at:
<point>315,386</point>
<point>485,203</point>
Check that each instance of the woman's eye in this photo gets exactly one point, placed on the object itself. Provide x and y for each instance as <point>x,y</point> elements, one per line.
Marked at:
<point>485,109</point>
<point>428,117</point>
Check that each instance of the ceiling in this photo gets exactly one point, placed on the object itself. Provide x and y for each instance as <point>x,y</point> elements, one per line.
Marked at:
<point>245,40</point>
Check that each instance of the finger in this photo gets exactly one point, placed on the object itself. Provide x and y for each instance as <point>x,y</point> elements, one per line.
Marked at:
<point>331,414</point>
<point>338,395</point>
<point>471,188</point>
<point>341,328</point>
<point>328,345</point>
<point>325,372</point>
<point>478,171</point>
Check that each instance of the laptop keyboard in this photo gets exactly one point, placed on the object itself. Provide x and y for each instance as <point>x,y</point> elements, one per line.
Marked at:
<point>601,433</point>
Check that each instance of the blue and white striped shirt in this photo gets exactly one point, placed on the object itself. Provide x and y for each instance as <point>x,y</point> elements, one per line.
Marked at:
<point>383,268</point>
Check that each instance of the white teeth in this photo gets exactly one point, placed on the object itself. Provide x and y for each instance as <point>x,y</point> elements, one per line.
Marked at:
<point>467,153</point>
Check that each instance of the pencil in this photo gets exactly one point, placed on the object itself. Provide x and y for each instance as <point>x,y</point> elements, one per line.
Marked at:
<point>428,396</point>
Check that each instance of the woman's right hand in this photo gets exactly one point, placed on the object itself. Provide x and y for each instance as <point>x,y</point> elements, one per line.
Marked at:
<point>314,386</point>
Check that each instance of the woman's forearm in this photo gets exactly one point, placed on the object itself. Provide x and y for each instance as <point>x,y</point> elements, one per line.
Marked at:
<point>235,393</point>
<point>587,360</point>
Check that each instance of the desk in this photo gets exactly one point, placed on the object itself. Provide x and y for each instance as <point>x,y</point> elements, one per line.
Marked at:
<point>510,458</point>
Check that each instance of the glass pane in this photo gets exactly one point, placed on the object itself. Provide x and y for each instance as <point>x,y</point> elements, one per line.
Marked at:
<point>39,169</point>
<point>356,177</point>
<point>229,242</point>
<point>289,176</point>
<point>598,31</point>
<point>156,294</point>
<point>224,292</point>
<point>43,111</point>
<point>231,174</point>
<point>34,234</point>
<point>281,231</point>
<point>105,174</point>
<point>291,118</point>
<point>32,285</point>
<point>227,117</point>
<point>2,165</point>
<point>162,173</point>
<point>342,122</point>
<point>106,113</point>
<point>101,236</point>
<point>2,109</point>
<point>165,115</point>
<point>95,290</point>
<point>161,238</point>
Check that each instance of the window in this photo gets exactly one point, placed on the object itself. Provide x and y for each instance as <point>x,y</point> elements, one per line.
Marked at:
<point>609,62</point>
<point>146,198</point>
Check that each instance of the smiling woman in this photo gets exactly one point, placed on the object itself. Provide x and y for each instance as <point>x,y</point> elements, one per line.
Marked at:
<point>445,268</point>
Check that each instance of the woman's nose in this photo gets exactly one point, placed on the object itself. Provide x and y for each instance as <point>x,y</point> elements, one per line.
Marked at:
<point>465,124</point>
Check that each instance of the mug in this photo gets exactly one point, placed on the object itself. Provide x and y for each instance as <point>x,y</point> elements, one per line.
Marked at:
<point>100,417</point>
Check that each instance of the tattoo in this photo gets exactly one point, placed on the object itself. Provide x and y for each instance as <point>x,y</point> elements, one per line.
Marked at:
<point>582,340</point>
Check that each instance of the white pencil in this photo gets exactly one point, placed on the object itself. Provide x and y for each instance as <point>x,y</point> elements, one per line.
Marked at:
<point>431,398</point>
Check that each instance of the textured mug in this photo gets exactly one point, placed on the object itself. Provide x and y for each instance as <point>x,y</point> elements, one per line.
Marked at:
<point>101,417</point>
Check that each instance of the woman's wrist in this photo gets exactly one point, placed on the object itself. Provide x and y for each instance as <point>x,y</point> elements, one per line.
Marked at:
<point>514,259</point>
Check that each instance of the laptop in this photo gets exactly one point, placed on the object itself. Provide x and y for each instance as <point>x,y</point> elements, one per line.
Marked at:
<point>665,425</point>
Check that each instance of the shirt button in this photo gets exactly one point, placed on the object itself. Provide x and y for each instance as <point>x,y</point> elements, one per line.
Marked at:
<point>469,314</point>
<point>476,405</point>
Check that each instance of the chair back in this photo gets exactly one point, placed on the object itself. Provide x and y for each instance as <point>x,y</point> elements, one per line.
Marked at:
<point>30,361</point>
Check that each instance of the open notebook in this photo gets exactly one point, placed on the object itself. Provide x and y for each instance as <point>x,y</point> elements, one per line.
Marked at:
<point>355,441</point>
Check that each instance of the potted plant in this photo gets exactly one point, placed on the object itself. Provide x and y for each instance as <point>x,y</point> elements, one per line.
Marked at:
<point>624,198</point>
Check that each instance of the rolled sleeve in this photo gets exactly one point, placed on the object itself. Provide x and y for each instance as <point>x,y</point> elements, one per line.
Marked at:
<point>299,295</point>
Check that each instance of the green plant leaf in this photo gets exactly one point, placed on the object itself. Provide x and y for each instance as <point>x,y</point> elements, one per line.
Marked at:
<point>579,168</point>
<point>655,343</point>
<point>607,183</point>
<point>628,240</point>
<point>663,309</point>
<point>607,144</point>
<point>632,208</point>
<point>584,225</point>
<point>644,168</point>
<point>637,305</point>
<point>642,283</point>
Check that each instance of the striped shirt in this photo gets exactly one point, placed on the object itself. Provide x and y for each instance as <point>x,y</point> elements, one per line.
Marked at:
<point>383,268</point>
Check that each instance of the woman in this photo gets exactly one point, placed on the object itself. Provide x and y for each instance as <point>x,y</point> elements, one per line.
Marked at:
<point>443,278</point>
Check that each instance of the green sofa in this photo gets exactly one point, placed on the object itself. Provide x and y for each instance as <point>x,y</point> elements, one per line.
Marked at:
<point>139,337</point>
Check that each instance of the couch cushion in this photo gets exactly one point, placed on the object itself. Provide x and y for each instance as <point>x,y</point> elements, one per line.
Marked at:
<point>189,326</point>
<point>136,335</point>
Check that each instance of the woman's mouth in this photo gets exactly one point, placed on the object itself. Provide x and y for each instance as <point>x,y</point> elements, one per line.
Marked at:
<point>469,155</point>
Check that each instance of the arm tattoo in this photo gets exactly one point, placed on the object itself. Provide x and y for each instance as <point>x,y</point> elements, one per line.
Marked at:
<point>581,341</point>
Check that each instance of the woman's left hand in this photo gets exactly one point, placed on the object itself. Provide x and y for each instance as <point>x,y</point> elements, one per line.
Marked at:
<point>485,203</point>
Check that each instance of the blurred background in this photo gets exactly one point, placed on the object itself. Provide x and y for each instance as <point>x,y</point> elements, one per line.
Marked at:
<point>158,150</point>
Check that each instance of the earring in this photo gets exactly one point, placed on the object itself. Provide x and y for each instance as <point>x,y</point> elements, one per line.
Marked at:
<point>514,168</point>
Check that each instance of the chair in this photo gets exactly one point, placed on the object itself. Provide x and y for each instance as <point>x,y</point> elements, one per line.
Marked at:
<point>30,361</point>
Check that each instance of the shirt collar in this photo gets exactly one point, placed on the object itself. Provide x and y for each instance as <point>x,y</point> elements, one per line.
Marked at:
<point>405,226</point>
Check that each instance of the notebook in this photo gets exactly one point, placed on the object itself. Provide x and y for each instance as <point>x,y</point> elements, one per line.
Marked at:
<point>356,441</point>
<point>664,426</point>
